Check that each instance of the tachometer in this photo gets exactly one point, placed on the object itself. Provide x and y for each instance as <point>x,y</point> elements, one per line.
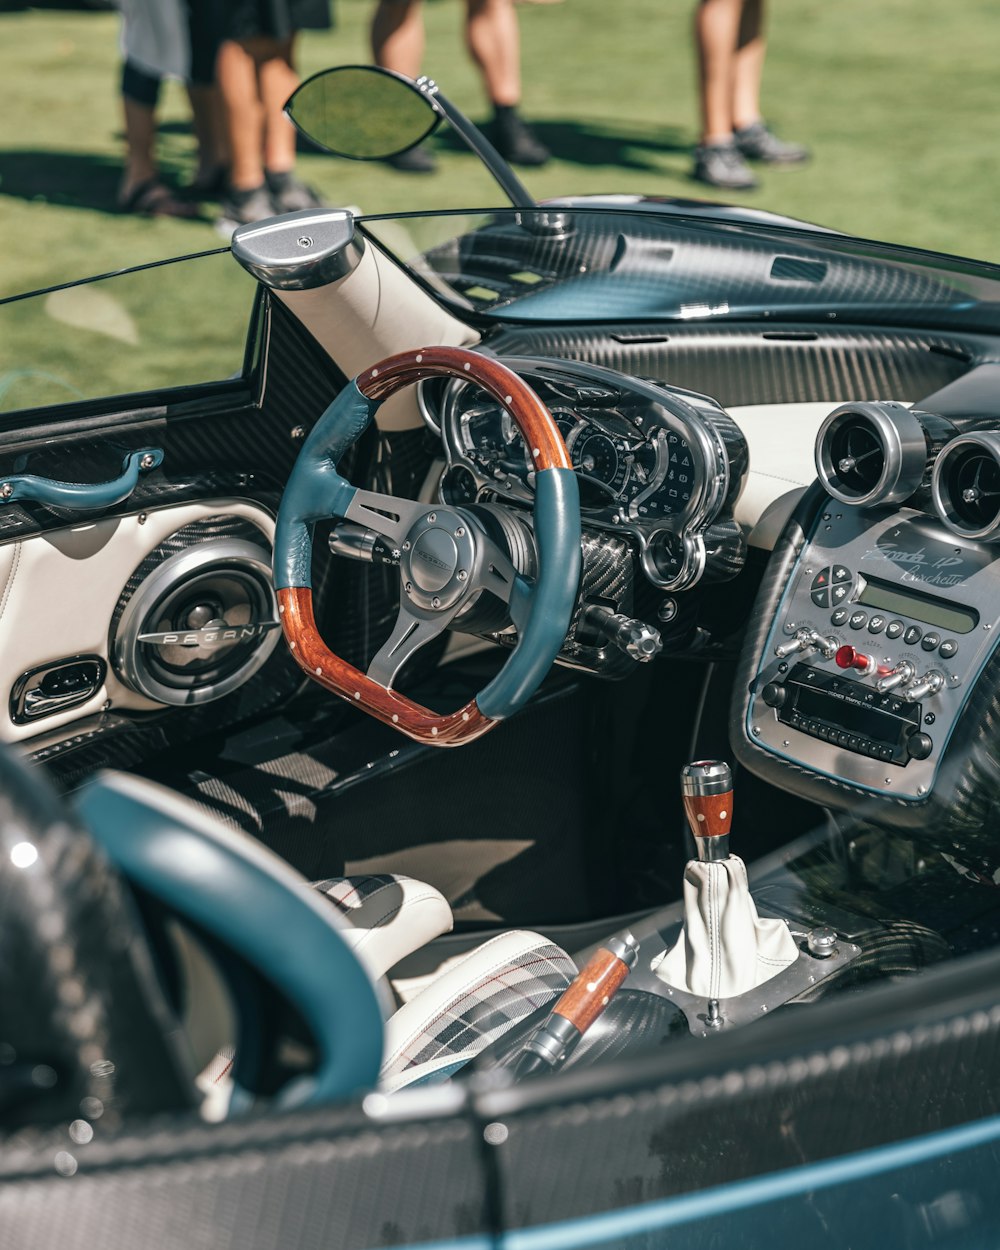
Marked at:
<point>597,457</point>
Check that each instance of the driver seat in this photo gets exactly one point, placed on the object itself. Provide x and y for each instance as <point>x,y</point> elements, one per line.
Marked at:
<point>465,1008</point>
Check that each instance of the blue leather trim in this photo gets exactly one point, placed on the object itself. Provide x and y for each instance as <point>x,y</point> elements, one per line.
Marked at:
<point>83,496</point>
<point>315,489</point>
<point>557,531</point>
<point>261,911</point>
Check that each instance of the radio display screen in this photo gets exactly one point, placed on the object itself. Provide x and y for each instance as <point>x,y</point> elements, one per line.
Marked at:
<point>893,598</point>
<point>850,716</point>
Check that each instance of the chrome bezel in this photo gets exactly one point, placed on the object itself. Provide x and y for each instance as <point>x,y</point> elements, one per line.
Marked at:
<point>982,440</point>
<point>904,449</point>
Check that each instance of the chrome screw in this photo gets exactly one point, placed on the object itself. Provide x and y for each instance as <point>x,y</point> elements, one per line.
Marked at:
<point>147,461</point>
<point>406,546</point>
<point>6,490</point>
<point>462,575</point>
<point>304,241</point>
<point>435,602</point>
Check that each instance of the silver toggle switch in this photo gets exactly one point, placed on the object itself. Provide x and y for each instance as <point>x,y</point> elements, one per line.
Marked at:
<point>904,671</point>
<point>808,640</point>
<point>930,683</point>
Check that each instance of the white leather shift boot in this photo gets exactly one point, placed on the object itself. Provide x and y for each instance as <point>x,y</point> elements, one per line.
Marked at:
<point>725,948</point>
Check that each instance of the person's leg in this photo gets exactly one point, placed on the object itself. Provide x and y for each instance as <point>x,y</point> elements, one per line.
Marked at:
<point>277,80</point>
<point>244,113</point>
<point>748,65</point>
<point>753,137</point>
<point>208,120</point>
<point>397,36</point>
<point>398,39</point>
<point>717,26</point>
<point>494,42</point>
<point>140,92</point>
<point>717,160</point>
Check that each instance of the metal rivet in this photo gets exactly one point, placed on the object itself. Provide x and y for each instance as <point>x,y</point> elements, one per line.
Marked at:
<point>467,366</point>
<point>318,671</point>
<point>147,461</point>
<point>395,719</point>
<point>304,241</point>
<point>6,490</point>
<point>460,532</point>
<point>756,731</point>
<point>374,373</point>
<point>409,587</point>
<point>142,518</point>
<point>462,575</point>
<point>434,728</point>
<point>357,694</point>
<point>432,517</point>
<point>297,433</point>
<point>419,357</point>
<point>508,399</point>
<point>435,602</point>
<point>406,546</point>
<point>465,716</point>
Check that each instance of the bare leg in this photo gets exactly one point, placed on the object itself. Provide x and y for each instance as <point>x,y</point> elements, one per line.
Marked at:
<point>493,39</point>
<point>398,36</point>
<point>751,48</point>
<point>237,74</point>
<point>209,129</point>
<point>278,79</point>
<point>717,28</point>
<point>140,138</point>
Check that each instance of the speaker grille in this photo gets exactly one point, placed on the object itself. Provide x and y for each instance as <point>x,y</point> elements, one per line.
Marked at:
<point>198,616</point>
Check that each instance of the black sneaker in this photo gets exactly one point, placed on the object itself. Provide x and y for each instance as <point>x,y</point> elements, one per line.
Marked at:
<point>242,207</point>
<point>516,142</point>
<point>413,161</point>
<point>289,194</point>
<point>758,143</point>
<point>722,165</point>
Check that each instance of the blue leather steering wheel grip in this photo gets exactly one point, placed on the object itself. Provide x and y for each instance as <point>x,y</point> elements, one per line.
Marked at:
<point>241,894</point>
<point>541,609</point>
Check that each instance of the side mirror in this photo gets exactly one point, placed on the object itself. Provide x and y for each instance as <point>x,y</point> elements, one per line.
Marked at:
<point>362,112</point>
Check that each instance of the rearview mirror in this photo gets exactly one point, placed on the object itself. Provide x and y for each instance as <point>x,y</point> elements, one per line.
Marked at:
<point>362,112</point>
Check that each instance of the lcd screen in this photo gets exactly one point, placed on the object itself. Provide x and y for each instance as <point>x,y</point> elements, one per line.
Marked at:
<point>894,599</point>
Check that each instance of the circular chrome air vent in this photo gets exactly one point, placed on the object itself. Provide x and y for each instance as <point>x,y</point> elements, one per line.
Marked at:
<point>966,485</point>
<point>871,453</point>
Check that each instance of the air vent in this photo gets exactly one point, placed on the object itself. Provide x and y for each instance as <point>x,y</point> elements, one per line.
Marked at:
<point>966,485</point>
<point>797,269</point>
<point>871,453</point>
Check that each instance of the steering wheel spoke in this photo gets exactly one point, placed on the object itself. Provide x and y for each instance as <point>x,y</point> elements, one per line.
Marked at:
<point>412,631</point>
<point>391,517</point>
<point>495,572</point>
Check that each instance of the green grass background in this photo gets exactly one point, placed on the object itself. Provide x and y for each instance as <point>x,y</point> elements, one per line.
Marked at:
<point>898,100</point>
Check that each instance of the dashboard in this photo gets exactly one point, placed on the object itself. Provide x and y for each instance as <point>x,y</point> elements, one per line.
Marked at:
<point>657,465</point>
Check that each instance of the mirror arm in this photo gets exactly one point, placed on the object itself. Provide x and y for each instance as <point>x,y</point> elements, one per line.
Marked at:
<point>474,139</point>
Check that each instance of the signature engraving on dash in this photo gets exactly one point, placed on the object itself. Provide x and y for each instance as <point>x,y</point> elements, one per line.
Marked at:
<point>918,566</point>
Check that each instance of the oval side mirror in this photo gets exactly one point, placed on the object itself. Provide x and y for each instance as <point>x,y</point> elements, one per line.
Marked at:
<point>362,112</point>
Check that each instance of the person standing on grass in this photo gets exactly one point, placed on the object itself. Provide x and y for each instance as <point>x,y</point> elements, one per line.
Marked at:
<point>256,75</point>
<point>493,39</point>
<point>168,38</point>
<point>729,35</point>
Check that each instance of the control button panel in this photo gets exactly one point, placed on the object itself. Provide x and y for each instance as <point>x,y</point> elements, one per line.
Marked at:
<point>904,617</point>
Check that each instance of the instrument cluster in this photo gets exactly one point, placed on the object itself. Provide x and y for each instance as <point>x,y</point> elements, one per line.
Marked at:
<point>652,461</point>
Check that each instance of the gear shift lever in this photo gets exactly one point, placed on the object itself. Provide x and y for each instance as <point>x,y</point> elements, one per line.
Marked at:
<point>707,792</point>
<point>725,948</point>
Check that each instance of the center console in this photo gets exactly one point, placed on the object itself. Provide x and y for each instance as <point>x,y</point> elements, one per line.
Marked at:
<point>871,669</point>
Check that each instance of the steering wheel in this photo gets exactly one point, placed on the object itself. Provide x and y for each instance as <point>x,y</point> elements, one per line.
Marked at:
<point>446,558</point>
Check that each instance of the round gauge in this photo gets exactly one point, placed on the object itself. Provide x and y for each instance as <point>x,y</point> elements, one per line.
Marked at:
<point>568,424</point>
<point>483,433</point>
<point>458,485</point>
<point>596,456</point>
<point>678,483</point>
<point>668,555</point>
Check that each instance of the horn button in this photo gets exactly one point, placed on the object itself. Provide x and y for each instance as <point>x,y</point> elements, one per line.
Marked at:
<point>437,559</point>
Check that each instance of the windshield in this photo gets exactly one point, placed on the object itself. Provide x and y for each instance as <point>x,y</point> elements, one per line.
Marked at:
<point>602,264</point>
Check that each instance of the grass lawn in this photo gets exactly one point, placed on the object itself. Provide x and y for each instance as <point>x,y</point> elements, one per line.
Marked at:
<point>898,100</point>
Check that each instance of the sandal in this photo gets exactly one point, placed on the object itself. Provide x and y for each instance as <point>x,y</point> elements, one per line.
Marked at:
<point>153,198</point>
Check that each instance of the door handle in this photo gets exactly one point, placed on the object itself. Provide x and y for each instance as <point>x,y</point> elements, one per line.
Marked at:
<point>82,496</point>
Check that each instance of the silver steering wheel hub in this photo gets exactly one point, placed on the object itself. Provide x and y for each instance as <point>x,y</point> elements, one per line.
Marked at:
<point>437,559</point>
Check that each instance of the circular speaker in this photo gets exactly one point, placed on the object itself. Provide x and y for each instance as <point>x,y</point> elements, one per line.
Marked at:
<point>198,617</point>
<point>871,453</point>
